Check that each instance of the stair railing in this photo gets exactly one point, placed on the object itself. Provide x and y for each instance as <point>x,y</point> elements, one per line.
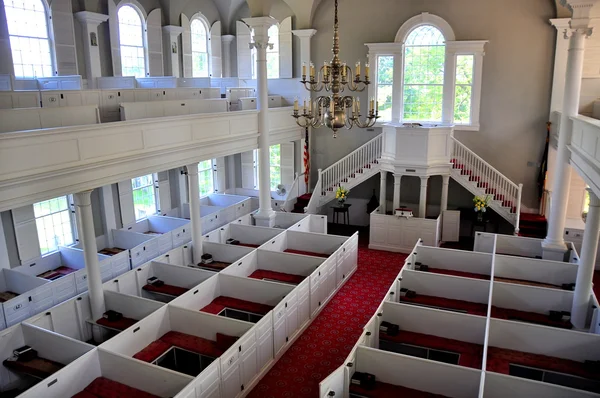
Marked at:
<point>350,166</point>
<point>295,191</point>
<point>489,179</point>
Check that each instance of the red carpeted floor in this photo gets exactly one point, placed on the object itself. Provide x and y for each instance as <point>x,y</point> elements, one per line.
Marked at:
<point>327,342</point>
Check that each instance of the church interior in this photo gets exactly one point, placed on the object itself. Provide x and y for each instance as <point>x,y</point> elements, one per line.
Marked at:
<point>275,198</point>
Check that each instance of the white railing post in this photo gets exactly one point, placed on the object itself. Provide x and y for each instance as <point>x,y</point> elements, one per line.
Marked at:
<point>319,180</point>
<point>518,208</point>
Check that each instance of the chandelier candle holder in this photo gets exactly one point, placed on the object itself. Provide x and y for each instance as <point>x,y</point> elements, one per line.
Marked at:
<point>335,111</point>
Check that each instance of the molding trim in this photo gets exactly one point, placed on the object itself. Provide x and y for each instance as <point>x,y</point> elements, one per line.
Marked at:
<point>425,18</point>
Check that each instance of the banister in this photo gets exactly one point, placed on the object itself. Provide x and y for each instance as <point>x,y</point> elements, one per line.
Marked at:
<point>377,138</point>
<point>474,155</point>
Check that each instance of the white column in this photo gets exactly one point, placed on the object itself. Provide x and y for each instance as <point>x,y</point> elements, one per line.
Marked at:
<point>445,184</point>
<point>587,261</point>
<point>194,188</point>
<point>89,23</point>
<point>87,237</point>
<point>305,36</point>
<point>554,245</point>
<point>423,197</point>
<point>109,220</point>
<point>171,49</point>
<point>397,183</point>
<point>226,44</point>
<point>261,25</point>
<point>382,191</point>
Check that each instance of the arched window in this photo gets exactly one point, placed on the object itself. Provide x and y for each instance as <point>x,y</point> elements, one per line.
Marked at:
<point>131,38</point>
<point>272,54</point>
<point>29,38</point>
<point>200,48</point>
<point>424,61</point>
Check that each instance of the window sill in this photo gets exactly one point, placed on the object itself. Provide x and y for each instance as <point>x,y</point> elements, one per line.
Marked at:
<point>466,127</point>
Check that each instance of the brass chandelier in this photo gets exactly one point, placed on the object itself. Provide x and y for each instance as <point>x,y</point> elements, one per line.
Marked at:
<point>335,111</point>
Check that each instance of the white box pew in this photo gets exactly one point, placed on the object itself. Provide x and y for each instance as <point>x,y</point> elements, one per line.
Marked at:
<point>498,385</point>
<point>266,260</point>
<point>309,223</point>
<point>120,262</point>
<point>70,284</point>
<point>222,255</point>
<point>210,216</point>
<point>238,365</point>
<point>49,346</point>
<point>307,243</point>
<point>323,285</point>
<point>453,260</point>
<point>152,109</point>
<point>334,385</point>
<point>32,296</point>
<point>173,275</point>
<point>249,103</point>
<point>73,318</point>
<point>531,298</point>
<point>554,273</point>
<point>213,236</point>
<point>19,99</point>
<point>142,248</point>
<point>169,231</point>
<point>234,206</point>
<point>99,363</point>
<point>484,242</point>
<point>415,373</point>
<point>444,286</point>
<point>249,235</point>
<point>43,118</point>
<point>551,345</point>
<point>233,94</point>
<point>177,255</point>
<point>285,220</point>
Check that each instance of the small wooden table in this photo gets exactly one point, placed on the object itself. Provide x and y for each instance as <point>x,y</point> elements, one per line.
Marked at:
<point>344,210</point>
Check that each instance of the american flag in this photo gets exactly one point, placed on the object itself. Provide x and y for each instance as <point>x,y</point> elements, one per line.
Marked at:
<point>306,159</point>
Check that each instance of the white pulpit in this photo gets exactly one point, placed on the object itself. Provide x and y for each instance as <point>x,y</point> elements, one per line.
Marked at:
<point>419,146</point>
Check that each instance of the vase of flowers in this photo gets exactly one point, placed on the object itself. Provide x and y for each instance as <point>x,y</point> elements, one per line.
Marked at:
<point>341,194</point>
<point>481,203</point>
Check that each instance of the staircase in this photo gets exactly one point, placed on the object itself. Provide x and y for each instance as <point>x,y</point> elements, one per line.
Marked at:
<point>353,169</point>
<point>481,179</point>
<point>301,202</point>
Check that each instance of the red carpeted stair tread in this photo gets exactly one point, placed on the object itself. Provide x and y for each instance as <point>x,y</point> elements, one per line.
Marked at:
<point>471,355</point>
<point>442,302</point>
<point>222,302</point>
<point>102,387</point>
<point>277,276</point>
<point>385,390</point>
<point>500,359</point>
<point>324,345</point>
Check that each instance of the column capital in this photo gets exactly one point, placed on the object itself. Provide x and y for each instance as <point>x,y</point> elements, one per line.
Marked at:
<point>261,27</point>
<point>424,179</point>
<point>227,38</point>
<point>594,200</point>
<point>173,30</point>
<point>304,33</point>
<point>91,18</point>
<point>192,169</point>
<point>581,10</point>
<point>446,179</point>
<point>83,198</point>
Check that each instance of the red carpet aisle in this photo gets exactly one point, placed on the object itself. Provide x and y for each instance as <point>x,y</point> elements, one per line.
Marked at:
<point>327,342</point>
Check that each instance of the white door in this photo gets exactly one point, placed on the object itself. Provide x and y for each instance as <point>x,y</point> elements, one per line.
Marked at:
<point>279,329</point>
<point>249,364</point>
<point>291,315</point>
<point>315,291</point>
<point>231,382</point>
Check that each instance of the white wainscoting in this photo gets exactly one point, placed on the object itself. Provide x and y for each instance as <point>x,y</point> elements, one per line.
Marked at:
<point>399,234</point>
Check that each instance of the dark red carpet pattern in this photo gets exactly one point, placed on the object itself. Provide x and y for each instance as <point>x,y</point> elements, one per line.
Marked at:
<point>327,342</point>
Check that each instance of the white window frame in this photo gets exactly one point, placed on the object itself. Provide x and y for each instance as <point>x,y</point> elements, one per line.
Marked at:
<point>453,49</point>
<point>143,17</point>
<point>50,39</point>
<point>153,184</point>
<point>200,17</point>
<point>72,222</point>
<point>213,168</point>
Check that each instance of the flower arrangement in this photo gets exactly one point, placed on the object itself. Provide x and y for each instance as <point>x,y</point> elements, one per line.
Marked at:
<point>341,194</point>
<point>481,203</point>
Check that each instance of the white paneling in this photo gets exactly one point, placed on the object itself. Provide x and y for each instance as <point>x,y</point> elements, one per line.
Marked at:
<point>186,46</point>
<point>216,65</point>
<point>248,170</point>
<point>126,202</point>
<point>287,164</point>
<point>115,44</point>
<point>285,48</point>
<point>244,54</point>
<point>64,37</point>
<point>154,37</point>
